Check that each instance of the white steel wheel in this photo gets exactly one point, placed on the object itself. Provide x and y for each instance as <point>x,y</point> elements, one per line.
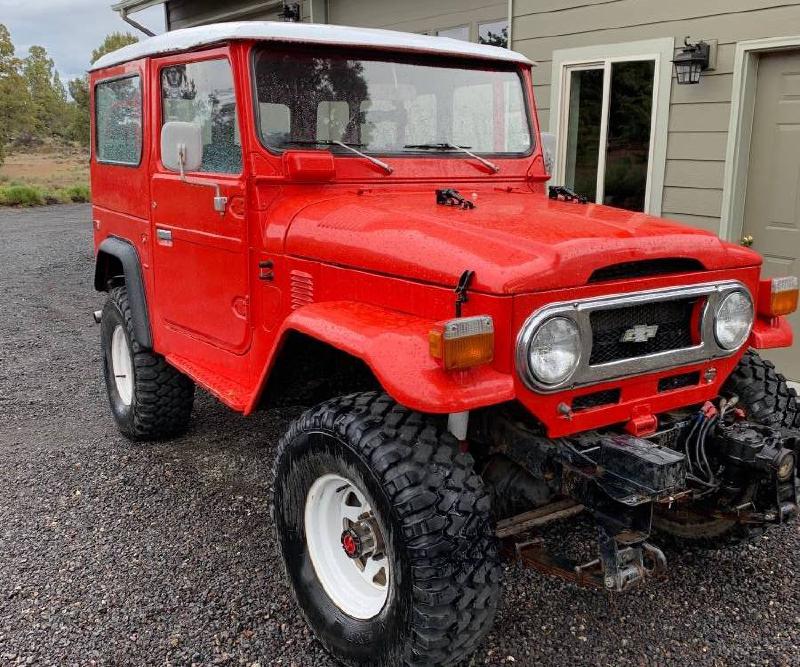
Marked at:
<point>346,546</point>
<point>122,365</point>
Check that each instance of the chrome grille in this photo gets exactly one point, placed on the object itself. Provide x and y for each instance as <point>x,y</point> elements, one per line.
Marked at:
<point>674,332</point>
<point>604,322</point>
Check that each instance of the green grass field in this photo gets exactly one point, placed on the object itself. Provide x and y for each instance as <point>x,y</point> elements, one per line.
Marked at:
<point>49,174</point>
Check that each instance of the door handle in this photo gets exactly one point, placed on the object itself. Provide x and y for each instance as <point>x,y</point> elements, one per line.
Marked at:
<point>747,241</point>
<point>164,235</point>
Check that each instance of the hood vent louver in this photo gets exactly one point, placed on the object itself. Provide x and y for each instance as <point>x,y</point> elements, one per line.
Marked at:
<point>301,288</point>
<point>645,269</point>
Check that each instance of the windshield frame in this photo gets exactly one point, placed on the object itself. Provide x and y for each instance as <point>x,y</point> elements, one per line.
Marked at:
<point>383,55</point>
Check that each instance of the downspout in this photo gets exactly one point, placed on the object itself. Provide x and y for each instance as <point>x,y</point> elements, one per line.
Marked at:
<point>510,21</point>
<point>123,13</point>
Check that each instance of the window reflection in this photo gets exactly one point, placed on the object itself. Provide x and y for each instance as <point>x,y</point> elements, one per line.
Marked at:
<point>389,106</point>
<point>629,123</point>
<point>494,33</point>
<point>203,93</point>
<point>118,124</point>
<point>583,131</point>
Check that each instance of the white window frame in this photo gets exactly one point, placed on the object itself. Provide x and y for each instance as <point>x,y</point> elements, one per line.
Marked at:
<point>602,57</point>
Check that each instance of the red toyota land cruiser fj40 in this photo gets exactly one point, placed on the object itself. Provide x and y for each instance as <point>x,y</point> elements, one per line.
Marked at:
<point>359,220</point>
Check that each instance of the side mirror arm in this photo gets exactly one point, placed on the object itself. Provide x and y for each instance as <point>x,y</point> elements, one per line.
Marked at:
<point>220,202</point>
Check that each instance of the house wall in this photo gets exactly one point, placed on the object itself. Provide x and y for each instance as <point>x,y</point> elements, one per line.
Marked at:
<point>699,115</point>
<point>416,15</point>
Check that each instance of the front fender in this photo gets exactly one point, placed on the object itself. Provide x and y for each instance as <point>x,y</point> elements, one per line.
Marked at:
<point>395,347</point>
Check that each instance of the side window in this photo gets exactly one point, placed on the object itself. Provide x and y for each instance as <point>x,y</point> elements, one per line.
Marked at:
<point>118,121</point>
<point>203,93</point>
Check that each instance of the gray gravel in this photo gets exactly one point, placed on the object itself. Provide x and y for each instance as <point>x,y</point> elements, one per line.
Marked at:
<point>113,553</point>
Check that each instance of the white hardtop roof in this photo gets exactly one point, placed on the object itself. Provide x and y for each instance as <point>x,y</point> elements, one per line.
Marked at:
<point>304,33</point>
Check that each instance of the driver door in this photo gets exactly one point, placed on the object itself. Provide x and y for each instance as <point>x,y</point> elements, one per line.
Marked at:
<point>200,254</point>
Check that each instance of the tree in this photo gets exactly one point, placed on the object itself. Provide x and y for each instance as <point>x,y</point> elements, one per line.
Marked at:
<point>79,88</point>
<point>14,99</point>
<point>112,42</point>
<point>79,123</point>
<point>48,95</point>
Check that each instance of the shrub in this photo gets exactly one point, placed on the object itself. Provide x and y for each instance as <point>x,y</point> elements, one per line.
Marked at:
<point>78,194</point>
<point>21,195</point>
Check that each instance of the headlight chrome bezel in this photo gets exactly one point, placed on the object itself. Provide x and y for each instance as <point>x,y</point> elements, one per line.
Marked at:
<point>579,353</point>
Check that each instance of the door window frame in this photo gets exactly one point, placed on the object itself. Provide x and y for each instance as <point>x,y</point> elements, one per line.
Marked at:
<point>565,61</point>
<point>160,64</point>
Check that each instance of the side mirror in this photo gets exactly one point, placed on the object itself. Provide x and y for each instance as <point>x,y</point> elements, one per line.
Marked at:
<point>549,147</point>
<point>182,146</point>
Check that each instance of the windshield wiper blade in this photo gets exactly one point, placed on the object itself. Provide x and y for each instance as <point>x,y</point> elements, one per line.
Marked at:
<point>433,146</point>
<point>350,147</point>
<point>444,145</point>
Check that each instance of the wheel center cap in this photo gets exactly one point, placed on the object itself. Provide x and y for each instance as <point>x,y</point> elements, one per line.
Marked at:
<point>351,543</point>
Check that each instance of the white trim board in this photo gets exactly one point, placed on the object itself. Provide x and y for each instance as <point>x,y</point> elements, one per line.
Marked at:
<point>737,153</point>
<point>662,51</point>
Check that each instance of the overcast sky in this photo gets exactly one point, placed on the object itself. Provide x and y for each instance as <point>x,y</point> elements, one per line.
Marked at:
<point>69,29</point>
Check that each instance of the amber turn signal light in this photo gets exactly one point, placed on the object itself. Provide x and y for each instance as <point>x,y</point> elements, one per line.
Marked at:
<point>778,296</point>
<point>463,343</point>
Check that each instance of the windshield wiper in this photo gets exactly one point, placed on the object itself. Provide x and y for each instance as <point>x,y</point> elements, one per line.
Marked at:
<point>349,147</point>
<point>444,145</point>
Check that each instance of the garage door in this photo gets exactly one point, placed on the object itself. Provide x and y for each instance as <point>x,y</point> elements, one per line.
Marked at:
<point>772,211</point>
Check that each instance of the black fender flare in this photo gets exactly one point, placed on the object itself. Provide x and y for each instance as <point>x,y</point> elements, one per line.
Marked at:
<point>125,252</point>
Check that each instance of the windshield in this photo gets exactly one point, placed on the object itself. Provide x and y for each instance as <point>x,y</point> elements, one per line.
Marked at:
<point>389,104</point>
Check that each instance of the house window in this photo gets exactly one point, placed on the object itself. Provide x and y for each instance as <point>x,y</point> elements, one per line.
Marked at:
<point>609,121</point>
<point>459,32</point>
<point>494,33</point>
<point>118,124</point>
<point>610,113</point>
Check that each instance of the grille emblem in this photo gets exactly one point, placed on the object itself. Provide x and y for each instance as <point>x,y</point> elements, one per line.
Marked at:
<point>641,333</point>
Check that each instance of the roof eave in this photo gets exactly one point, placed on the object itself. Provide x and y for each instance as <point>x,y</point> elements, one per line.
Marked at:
<point>135,5</point>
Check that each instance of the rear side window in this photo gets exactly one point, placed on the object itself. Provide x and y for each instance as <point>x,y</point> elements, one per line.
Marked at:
<point>118,121</point>
<point>203,93</point>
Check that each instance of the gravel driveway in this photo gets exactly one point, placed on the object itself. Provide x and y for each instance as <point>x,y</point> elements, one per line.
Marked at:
<point>114,553</point>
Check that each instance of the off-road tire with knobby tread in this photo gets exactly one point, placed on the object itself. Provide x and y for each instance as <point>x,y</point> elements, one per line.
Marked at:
<point>763,393</point>
<point>435,511</point>
<point>161,405</point>
<point>766,398</point>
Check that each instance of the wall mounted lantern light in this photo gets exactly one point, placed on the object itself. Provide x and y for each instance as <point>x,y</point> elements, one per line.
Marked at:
<point>691,61</point>
<point>290,12</point>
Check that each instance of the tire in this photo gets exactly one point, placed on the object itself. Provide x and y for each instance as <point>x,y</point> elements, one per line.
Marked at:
<point>150,400</point>
<point>431,513</point>
<point>767,399</point>
<point>763,393</point>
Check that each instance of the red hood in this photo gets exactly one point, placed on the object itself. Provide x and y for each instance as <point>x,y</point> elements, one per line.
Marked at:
<point>515,242</point>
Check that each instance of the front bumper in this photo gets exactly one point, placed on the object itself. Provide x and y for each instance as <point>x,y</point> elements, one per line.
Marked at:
<point>622,480</point>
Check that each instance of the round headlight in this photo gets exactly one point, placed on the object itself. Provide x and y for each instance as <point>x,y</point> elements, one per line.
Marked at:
<point>555,350</point>
<point>734,320</point>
